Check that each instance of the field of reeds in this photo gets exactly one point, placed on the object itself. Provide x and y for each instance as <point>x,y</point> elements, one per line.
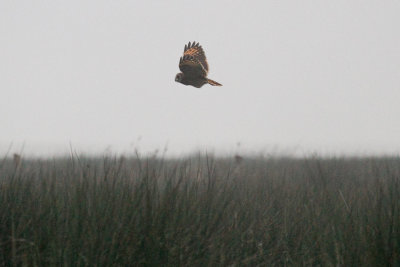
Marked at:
<point>200,211</point>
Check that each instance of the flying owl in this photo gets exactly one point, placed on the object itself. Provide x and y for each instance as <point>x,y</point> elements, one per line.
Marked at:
<point>194,67</point>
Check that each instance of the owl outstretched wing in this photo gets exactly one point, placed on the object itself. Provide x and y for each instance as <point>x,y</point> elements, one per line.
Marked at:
<point>191,66</point>
<point>194,49</point>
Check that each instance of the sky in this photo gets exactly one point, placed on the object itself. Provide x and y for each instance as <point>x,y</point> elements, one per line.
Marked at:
<point>298,76</point>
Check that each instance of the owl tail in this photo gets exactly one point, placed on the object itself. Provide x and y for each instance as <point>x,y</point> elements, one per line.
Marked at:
<point>213,83</point>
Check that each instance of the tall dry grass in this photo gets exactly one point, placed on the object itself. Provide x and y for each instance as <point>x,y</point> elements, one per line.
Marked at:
<point>200,211</point>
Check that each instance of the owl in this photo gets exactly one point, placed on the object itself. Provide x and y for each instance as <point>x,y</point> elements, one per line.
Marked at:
<point>194,67</point>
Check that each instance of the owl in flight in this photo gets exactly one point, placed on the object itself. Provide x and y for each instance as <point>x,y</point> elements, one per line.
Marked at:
<point>194,67</point>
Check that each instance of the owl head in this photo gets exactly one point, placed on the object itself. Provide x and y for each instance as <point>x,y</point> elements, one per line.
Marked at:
<point>178,77</point>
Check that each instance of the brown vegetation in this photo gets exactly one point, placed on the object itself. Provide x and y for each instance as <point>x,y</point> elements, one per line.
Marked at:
<point>200,211</point>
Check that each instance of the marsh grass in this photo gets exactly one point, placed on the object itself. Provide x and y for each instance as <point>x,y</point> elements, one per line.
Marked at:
<point>200,211</point>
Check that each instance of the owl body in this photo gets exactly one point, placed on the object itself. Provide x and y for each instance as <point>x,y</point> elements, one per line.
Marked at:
<point>194,67</point>
<point>197,82</point>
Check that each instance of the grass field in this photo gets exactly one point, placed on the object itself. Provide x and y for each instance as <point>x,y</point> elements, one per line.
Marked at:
<point>200,211</point>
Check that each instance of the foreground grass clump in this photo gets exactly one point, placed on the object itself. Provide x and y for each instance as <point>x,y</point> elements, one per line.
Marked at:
<point>200,211</point>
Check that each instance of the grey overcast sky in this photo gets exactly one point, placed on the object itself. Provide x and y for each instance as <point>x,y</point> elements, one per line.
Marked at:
<point>302,76</point>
